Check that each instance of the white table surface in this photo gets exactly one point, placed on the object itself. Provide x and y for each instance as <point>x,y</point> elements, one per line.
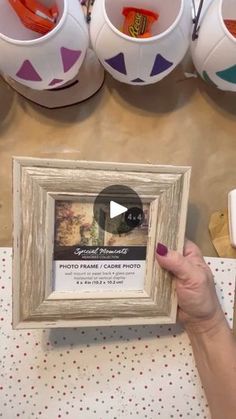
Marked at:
<point>114,372</point>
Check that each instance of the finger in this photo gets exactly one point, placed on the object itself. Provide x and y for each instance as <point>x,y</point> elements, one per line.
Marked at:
<point>174,262</point>
<point>192,249</point>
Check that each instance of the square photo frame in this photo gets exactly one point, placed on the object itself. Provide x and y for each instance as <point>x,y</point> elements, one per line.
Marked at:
<point>52,215</point>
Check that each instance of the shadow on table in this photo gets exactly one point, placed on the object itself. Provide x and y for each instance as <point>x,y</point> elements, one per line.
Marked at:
<point>90,336</point>
<point>68,114</point>
<point>192,222</point>
<point>7,99</point>
<point>165,96</point>
<point>225,102</point>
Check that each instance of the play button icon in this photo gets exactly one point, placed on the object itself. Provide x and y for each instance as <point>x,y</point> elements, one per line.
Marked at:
<point>118,209</point>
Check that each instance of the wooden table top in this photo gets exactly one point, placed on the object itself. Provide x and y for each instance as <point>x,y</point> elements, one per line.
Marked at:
<point>178,121</point>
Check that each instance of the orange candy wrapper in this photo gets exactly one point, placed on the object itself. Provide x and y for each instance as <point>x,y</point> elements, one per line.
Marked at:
<point>35,16</point>
<point>138,22</point>
<point>231,26</point>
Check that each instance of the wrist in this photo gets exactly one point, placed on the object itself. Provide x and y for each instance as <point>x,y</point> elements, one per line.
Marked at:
<point>209,326</point>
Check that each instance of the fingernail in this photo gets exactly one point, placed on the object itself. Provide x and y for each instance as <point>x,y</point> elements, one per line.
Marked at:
<point>161,249</point>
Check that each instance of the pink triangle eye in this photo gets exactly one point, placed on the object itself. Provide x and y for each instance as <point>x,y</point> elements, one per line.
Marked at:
<point>28,72</point>
<point>55,81</point>
<point>69,58</point>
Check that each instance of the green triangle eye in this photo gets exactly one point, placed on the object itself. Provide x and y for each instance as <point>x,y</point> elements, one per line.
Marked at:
<point>228,75</point>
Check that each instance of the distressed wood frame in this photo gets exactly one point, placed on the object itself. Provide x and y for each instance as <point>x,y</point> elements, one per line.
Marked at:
<point>37,183</point>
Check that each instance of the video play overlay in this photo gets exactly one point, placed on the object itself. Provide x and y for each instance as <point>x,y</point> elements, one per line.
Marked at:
<point>102,245</point>
<point>118,209</point>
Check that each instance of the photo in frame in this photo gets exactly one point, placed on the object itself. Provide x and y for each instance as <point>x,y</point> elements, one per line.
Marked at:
<point>70,272</point>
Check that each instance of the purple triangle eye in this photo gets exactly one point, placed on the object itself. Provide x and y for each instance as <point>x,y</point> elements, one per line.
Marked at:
<point>138,80</point>
<point>69,58</point>
<point>28,72</point>
<point>117,62</point>
<point>160,65</point>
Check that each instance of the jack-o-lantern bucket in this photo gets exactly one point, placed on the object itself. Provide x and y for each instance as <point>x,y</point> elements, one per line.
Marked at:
<point>135,60</point>
<point>48,61</point>
<point>214,47</point>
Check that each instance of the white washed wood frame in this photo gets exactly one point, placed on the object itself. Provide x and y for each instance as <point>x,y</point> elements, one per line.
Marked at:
<point>37,183</point>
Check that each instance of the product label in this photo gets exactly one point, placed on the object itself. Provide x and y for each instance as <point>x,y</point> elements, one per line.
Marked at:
<point>100,268</point>
<point>87,258</point>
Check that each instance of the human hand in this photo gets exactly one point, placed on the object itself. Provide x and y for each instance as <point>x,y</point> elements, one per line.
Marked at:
<point>199,307</point>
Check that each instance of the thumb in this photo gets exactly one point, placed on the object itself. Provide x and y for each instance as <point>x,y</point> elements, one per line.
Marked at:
<point>173,262</point>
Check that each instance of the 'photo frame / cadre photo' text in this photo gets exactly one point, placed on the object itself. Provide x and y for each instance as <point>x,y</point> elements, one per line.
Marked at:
<point>68,272</point>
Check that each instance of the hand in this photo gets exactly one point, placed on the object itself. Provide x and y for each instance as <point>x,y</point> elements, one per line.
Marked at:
<point>199,307</point>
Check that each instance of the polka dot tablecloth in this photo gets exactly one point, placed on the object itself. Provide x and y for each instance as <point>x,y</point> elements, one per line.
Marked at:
<point>113,372</point>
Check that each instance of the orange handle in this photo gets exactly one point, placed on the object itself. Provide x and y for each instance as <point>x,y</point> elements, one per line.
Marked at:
<point>39,9</point>
<point>34,16</point>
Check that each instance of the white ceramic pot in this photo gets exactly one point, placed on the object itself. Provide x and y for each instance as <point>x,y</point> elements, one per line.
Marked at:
<point>141,60</point>
<point>214,51</point>
<point>43,62</point>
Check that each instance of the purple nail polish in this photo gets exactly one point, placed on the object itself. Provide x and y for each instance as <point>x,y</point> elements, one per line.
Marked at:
<point>161,249</point>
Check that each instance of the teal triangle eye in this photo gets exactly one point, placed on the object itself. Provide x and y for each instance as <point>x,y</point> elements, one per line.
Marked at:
<point>229,74</point>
